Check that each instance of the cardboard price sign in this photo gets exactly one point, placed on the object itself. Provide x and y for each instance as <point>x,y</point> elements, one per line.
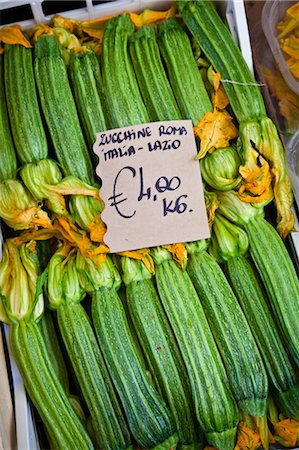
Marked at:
<point>151,185</point>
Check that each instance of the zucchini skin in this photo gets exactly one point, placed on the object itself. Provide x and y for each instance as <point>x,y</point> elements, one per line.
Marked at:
<point>219,47</point>
<point>153,83</point>
<point>85,76</point>
<point>63,426</point>
<point>252,299</point>
<point>108,422</point>
<point>182,71</point>
<point>59,109</point>
<point>239,351</point>
<point>215,407</point>
<point>279,278</point>
<point>149,419</point>
<point>48,331</point>
<point>8,160</point>
<point>124,103</point>
<point>22,104</point>
<point>163,357</point>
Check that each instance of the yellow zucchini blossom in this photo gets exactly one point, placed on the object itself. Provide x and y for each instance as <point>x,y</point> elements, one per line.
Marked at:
<point>19,271</point>
<point>18,209</point>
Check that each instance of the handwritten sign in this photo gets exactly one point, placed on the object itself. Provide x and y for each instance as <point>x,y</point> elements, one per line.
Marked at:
<point>151,185</point>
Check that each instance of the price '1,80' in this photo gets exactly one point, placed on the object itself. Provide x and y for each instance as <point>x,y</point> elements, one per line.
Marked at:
<point>161,187</point>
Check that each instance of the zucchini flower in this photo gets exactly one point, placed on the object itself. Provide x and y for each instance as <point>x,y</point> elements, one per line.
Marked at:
<point>134,270</point>
<point>104,276</point>
<point>21,298</point>
<point>220,169</point>
<point>197,246</point>
<point>237,211</point>
<point>262,138</point>
<point>18,209</point>
<point>64,282</point>
<point>44,181</point>
<point>228,240</point>
<point>86,212</point>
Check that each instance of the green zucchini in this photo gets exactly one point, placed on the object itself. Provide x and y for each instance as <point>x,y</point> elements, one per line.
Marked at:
<point>153,83</point>
<point>240,354</point>
<point>8,160</point>
<point>182,71</point>
<point>215,407</point>
<point>258,134</point>
<point>85,76</point>
<point>149,418</point>
<point>63,426</point>
<point>59,109</point>
<point>107,420</point>
<point>251,297</point>
<point>48,331</point>
<point>273,263</point>
<point>216,41</point>
<point>24,114</point>
<point>125,106</point>
<point>160,349</point>
<point>65,293</point>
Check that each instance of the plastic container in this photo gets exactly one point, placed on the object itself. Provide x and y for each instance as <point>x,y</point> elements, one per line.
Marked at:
<point>273,13</point>
<point>292,156</point>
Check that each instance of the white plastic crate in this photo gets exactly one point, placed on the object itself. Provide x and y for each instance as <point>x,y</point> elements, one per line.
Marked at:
<point>233,11</point>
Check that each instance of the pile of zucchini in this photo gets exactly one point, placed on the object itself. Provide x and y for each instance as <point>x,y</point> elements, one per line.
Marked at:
<point>148,349</point>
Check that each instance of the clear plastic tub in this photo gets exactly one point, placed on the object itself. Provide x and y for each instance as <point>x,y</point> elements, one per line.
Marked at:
<point>273,12</point>
<point>292,156</point>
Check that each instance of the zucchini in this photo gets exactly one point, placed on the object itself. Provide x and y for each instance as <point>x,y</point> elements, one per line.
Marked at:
<point>59,109</point>
<point>214,404</point>
<point>125,106</point>
<point>85,76</point>
<point>23,109</point>
<point>182,71</point>
<point>161,350</point>
<point>46,325</point>
<point>221,50</point>
<point>273,263</point>
<point>107,420</point>
<point>8,160</point>
<point>150,421</point>
<point>65,293</point>
<point>149,418</point>
<point>261,144</point>
<point>63,426</point>
<point>22,306</point>
<point>153,83</point>
<point>240,354</point>
<point>281,374</point>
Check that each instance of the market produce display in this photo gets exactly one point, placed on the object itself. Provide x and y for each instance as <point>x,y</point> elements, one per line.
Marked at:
<point>187,345</point>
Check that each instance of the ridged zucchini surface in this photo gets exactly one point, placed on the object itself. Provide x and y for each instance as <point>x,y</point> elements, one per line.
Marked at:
<point>251,296</point>
<point>215,39</point>
<point>85,75</point>
<point>8,160</point>
<point>24,114</point>
<point>161,350</point>
<point>107,418</point>
<point>125,106</point>
<point>153,82</point>
<point>239,351</point>
<point>214,404</point>
<point>182,71</point>
<point>63,426</point>
<point>150,420</point>
<point>60,111</point>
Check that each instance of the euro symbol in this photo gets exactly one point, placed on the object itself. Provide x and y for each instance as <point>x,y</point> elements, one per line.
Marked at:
<point>118,198</point>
